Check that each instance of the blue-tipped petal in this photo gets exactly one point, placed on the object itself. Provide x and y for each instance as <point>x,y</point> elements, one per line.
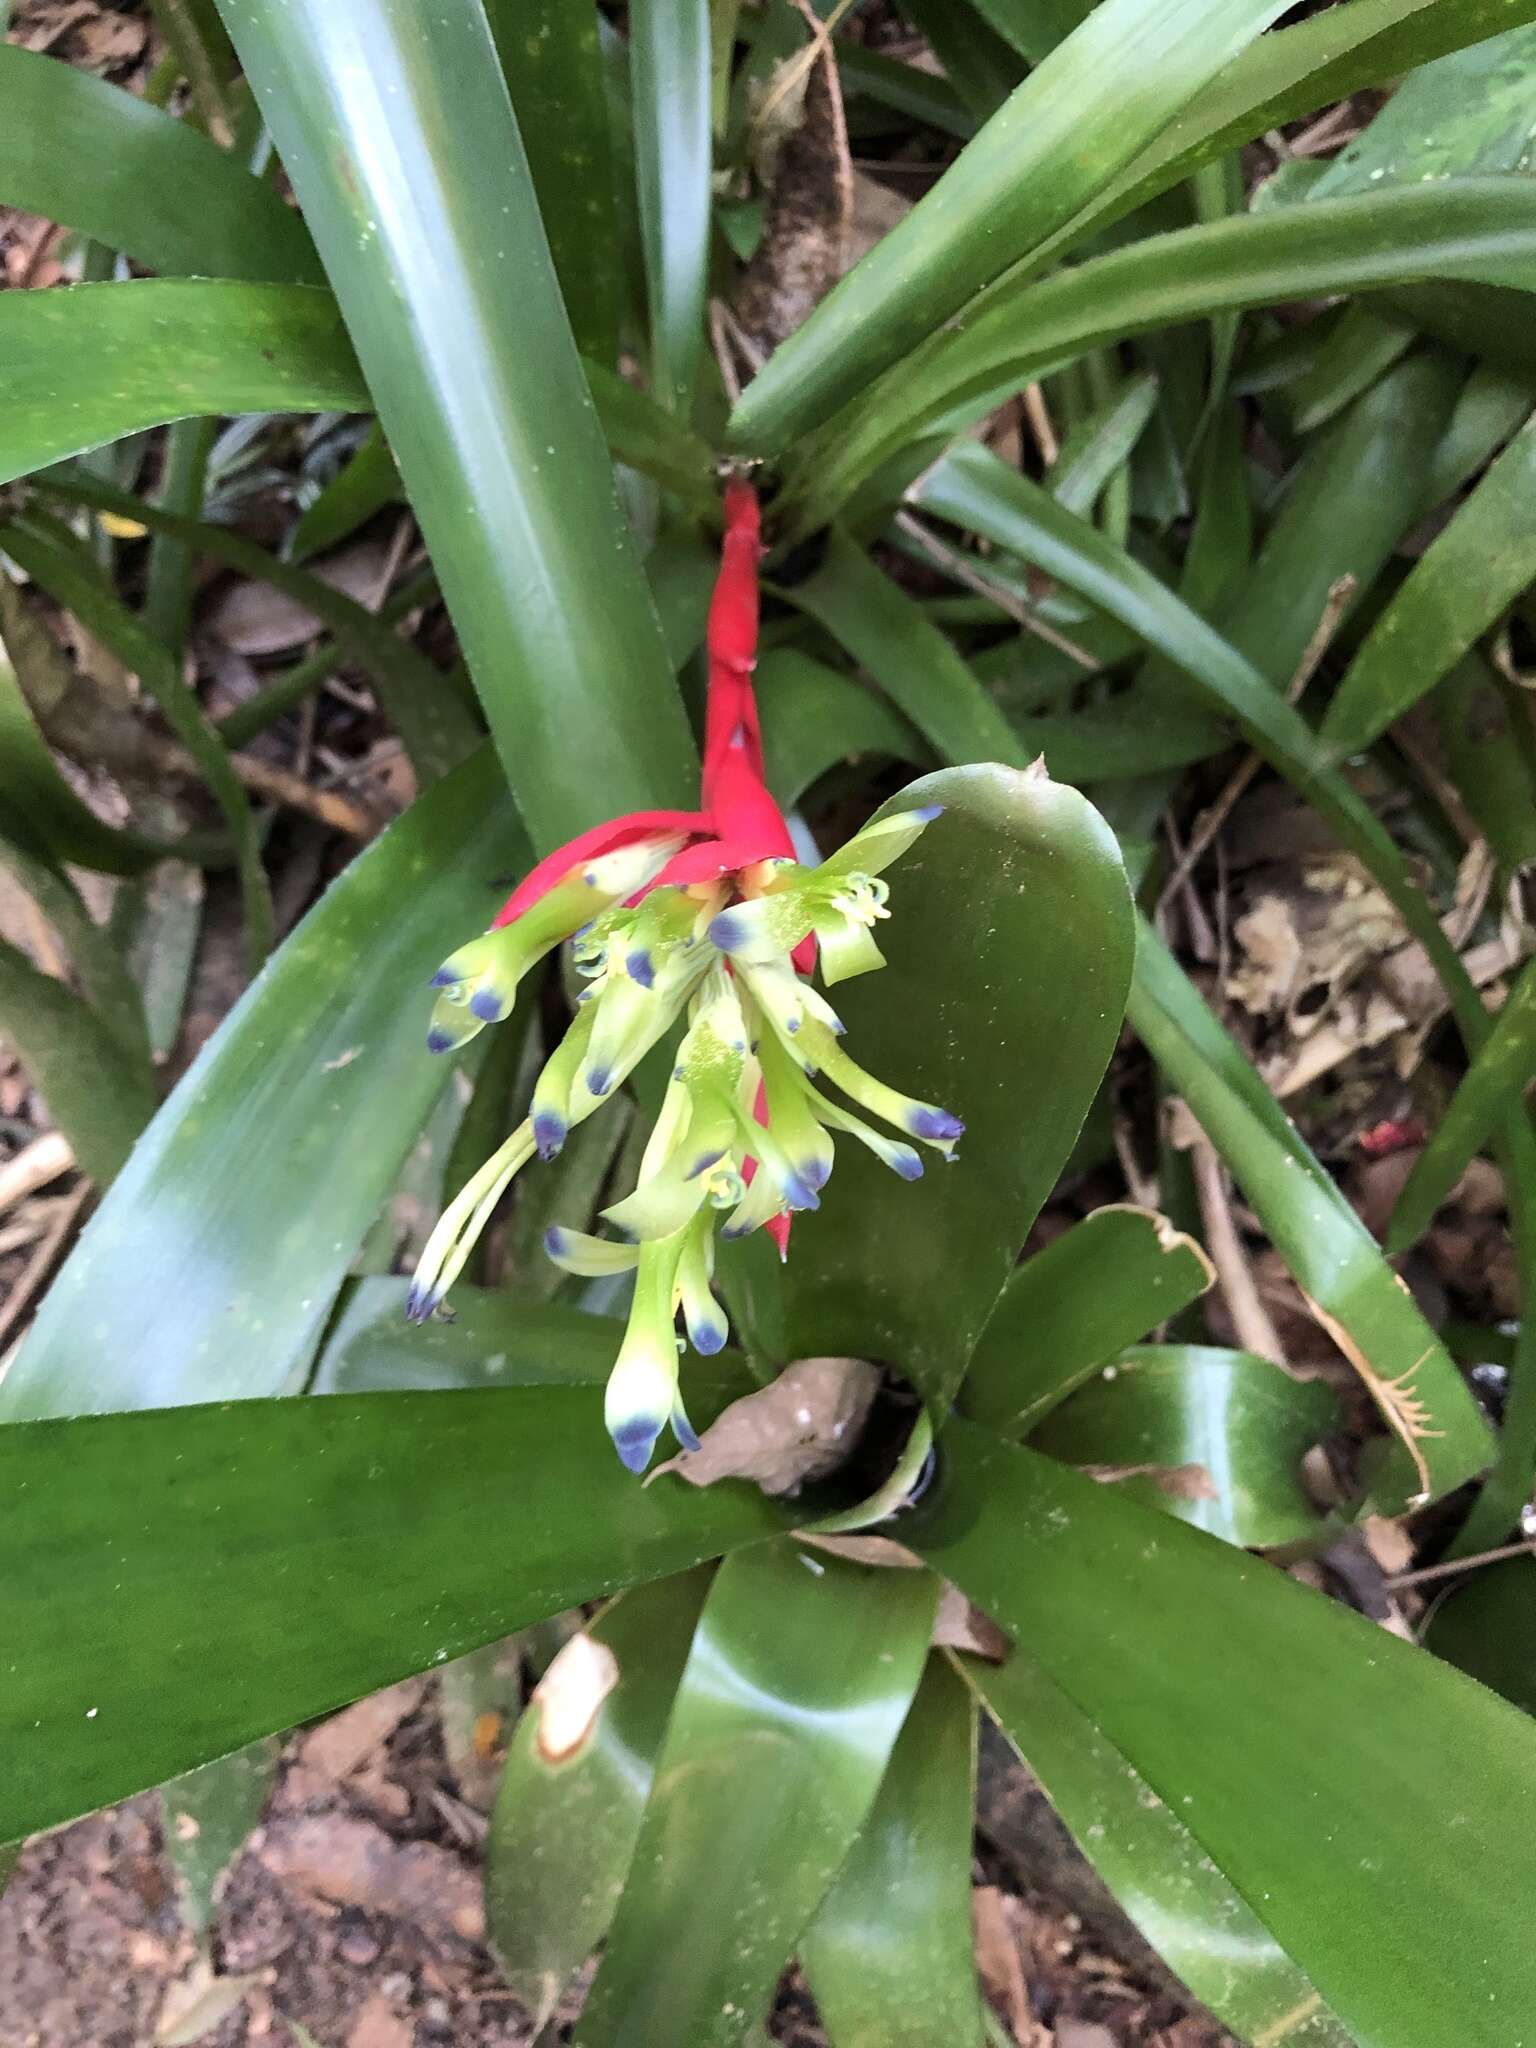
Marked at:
<point>640,967</point>
<point>549,1134</point>
<point>683,1429</point>
<point>634,1440</point>
<point>444,978</point>
<point>727,931</point>
<point>599,1081</point>
<point>708,1338</point>
<point>441,1041</point>
<point>903,1160</point>
<point>937,1125</point>
<point>488,1006</point>
<point>419,1304</point>
<point>926,813</point>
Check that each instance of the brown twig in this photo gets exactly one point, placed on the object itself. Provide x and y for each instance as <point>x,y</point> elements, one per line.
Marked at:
<point>274,785</point>
<point>1211,821</point>
<point>1040,425</point>
<point>956,565</point>
<point>41,1264</point>
<point>1462,1564</point>
<point>1234,1275</point>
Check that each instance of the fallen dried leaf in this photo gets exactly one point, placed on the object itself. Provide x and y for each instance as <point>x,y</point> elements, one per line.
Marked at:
<point>797,1429</point>
<point>350,1862</point>
<point>347,1739</point>
<point>379,2026</point>
<point>197,2003</point>
<point>568,1696</point>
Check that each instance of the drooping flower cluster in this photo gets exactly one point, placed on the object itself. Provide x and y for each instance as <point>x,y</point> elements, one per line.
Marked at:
<point>704,916</point>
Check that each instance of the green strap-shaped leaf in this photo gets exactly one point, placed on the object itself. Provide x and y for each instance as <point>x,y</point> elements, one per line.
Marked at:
<point>1460,228</point>
<point>1487,1628</point>
<point>102,160</point>
<point>1443,1439</point>
<point>436,727</point>
<point>1079,117</point>
<point>94,954</point>
<point>1480,718</point>
<point>97,361</point>
<point>97,1094</point>
<point>397,132</point>
<point>890,1956</point>
<point>1226,1431</point>
<point>980,64</point>
<point>801,1672</point>
<point>914,664</point>
<point>207,1816</point>
<point>576,1780</point>
<point>813,718</point>
<point>204,1576</point>
<point>364,485</point>
<point>1101,1286</point>
<point>1101,443</point>
<point>1170,1643</point>
<point>1009,949</point>
<point>670,100</point>
<point>649,439</point>
<point>905,88</point>
<point>551,58</point>
<point>1141,1846</point>
<point>1457,589</point>
<point>1493,1089</point>
<point>206,1267</point>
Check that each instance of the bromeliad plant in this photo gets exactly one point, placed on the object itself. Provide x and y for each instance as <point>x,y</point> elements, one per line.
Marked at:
<point>756,1749</point>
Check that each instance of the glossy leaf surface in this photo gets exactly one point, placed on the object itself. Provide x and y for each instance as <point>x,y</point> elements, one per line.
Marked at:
<point>103,161</point>
<point>890,1954</point>
<point>813,718</point>
<point>210,1575</point>
<point>1365,1753</point>
<point>1244,1423</point>
<point>1008,950</point>
<point>1099,1287</point>
<point>670,97</point>
<point>574,1787</point>
<point>203,1277</point>
<point>1079,117</point>
<point>1198,1922</point>
<point>800,1675</point>
<point>397,132</point>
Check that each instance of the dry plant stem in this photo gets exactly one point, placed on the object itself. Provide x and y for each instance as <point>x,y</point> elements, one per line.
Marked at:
<point>1456,1565</point>
<point>39,1267</point>
<point>34,1167</point>
<point>799,65</point>
<point>954,564</point>
<point>720,342</point>
<point>276,785</point>
<point>1036,412</point>
<point>1339,595</point>
<point>1234,1275</point>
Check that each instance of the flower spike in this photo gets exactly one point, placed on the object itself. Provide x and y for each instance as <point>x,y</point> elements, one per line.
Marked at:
<point>705,920</point>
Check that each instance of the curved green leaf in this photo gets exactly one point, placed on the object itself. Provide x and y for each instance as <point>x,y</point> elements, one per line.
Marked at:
<point>1459,228</point>
<point>364,485</point>
<point>801,1672</point>
<point>1170,1643</point>
<point>104,161</point>
<point>94,362</point>
<point>1456,590</point>
<point>1487,1628</point>
<point>1241,1420</point>
<point>209,1575</point>
<point>1009,949</point>
<point>651,440</point>
<point>1099,1287</point>
<point>568,1808</point>
<point>94,954</point>
<point>206,1274</point>
<point>813,718</point>
<point>670,98</point>
<point>1334,1258</point>
<point>1492,1089</point>
<point>397,132</point>
<point>1201,1926</point>
<point>1079,117</point>
<point>890,1955</point>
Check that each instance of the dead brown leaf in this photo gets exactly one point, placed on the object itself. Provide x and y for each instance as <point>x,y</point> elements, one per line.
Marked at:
<point>351,1862</point>
<point>378,2025</point>
<point>797,1429</point>
<point>358,1732</point>
<point>804,246</point>
<point>1179,1482</point>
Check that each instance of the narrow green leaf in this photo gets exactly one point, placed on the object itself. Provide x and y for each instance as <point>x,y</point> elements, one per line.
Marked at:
<point>905,88</point>
<point>551,59</point>
<point>1492,1090</point>
<point>206,1266</point>
<point>98,1096</point>
<point>908,657</point>
<point>980,64</point>
<point>166,1558</point>
<point>207,1816</point>
<point>364,485</point>
<point>1009,949</point>
<point>397,132</point>
<point>1457,589</point>
<point>803,1667</point>
<point>890,1955</point>
<point>813,718</point>
<point>94,955</point>
<point>1487,1628</point>
<point>104,161</point>
<point>1234,1427</point>
<point>97,361</point>
<point>1491,406</point>
<point>1359,350</point>
<point>70,583</point>
<point>1141,1846</point>
<point>167,609</point>
<point>643,435</point>
<point>437,729</point>
<point>1099,1287</point>
<point>1101,444</point>
<point>1461,228</point>
<point>1080,116</point>
<point>670,97</point>
<point>1369,1749</point>
<point>1483,723</point>
<point>576,1780</point>
<point>1334,1258</point>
